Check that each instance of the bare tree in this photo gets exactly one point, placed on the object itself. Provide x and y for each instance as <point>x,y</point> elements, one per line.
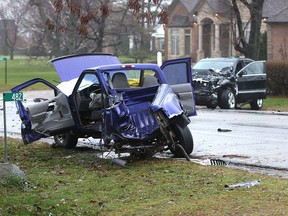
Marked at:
<point>59,29</point>
<point>147,13</point>
<point>72,25</point>
<point>249,47</point>
<point>12,14</point>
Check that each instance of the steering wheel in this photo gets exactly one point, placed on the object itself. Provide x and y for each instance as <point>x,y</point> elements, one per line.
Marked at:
<point>94,88</point>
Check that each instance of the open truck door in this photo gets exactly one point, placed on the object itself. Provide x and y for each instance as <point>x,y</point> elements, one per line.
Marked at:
<point>179,76</point>
<point>50,116</point>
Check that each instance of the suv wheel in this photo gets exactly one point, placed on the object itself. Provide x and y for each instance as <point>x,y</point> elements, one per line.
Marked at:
<point>256,104</point>
<point>227,99</point>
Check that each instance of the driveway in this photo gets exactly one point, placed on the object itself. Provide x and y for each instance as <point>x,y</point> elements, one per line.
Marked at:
<point>234,136</point>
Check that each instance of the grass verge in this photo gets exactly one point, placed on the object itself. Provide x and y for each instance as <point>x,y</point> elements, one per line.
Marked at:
<point>278,104</point>
<point>20,70</point>
<point>77,182</point>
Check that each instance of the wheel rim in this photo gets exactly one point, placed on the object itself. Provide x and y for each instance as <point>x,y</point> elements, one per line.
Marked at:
<point>231,100</point>
<point>60,138</point>
<point>259,102</point>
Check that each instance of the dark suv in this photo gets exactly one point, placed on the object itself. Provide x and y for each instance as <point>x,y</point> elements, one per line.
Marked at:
<point>226,82</point>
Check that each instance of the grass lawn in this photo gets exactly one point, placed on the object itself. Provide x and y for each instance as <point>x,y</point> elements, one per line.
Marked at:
<point>20,70</point>
<point>278,104</point>
<point>77,182</point>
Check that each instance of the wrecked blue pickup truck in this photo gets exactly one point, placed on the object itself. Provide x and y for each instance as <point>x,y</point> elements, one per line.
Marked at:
<point>136,108</point>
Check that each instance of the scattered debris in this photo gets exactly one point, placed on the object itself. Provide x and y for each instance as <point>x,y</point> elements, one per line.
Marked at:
<point>183,151</point>
<point>243,184</point>
<point>119,162</point>
<point>223,130</point>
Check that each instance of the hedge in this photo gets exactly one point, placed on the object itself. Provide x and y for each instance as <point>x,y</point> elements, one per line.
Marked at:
<point>277,78</point>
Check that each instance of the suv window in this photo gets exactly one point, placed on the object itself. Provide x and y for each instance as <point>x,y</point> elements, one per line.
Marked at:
<point>239,66</point>
<point>246,62</point>
<point>255,68</point>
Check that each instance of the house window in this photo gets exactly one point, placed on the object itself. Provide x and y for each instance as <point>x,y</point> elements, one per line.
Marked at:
<point>161,43</point>
<point>175,42</point>
<point>187,42</point>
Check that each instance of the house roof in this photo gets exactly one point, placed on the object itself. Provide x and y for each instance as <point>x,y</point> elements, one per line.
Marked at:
<point>275,11</point>
<point>190,4</point>
<point>217,6</point>
<point>180,21</point>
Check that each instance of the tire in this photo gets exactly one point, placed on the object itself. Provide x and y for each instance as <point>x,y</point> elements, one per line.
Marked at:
<point>66,140</point>
<point>256,104</point>
<point>228,100</point>
<point>184,138</point>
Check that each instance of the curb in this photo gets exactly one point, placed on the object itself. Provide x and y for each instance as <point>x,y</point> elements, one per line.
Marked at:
<point>259,112</point>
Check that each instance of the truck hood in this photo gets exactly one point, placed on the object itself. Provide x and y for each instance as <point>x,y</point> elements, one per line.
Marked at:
<point>70,67</point>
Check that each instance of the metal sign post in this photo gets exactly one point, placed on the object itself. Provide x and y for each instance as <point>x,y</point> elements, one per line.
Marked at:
<point>5,59</point>
<point>9,96</point>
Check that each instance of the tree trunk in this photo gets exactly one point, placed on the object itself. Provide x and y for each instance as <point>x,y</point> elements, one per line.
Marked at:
<point>249,48</point>
<point>11,53</point>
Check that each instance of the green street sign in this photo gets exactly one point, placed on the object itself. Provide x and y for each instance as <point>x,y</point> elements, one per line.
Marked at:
<point>3,59</point>
<point>13,96</point>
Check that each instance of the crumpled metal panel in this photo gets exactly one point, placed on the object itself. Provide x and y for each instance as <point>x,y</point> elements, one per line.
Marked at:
<point>167,101</point>
<point>133,125</point>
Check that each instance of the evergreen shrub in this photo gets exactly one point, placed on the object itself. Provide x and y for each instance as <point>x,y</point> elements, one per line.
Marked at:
<point>277,78</point>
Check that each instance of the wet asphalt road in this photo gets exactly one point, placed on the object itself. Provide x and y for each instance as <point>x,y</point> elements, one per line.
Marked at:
<point>247,137</point>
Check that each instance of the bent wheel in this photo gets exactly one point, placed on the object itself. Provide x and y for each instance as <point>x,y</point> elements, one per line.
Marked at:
<point>228,100</point>
<point>183,137</point>
<point>66,140</point>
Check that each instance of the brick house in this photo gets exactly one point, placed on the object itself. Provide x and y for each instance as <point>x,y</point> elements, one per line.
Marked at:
<point>203,28</point>
<point>276,17</point>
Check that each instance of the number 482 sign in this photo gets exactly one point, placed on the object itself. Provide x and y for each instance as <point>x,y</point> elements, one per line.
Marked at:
<point>13,96</point>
